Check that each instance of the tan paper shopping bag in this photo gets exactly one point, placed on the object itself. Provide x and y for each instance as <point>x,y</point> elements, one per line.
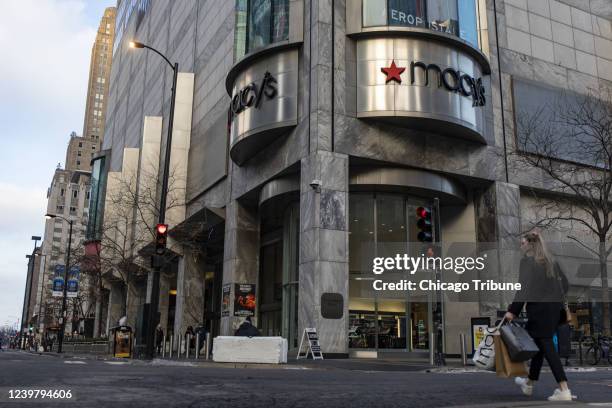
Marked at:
<point>504,367</point>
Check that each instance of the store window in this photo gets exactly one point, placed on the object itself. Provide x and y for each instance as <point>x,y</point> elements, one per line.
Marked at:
<point>453,17</point>
<point>409,13</point>
<point>382,225</point>
<point>260,23</point>
<point>96,199</point>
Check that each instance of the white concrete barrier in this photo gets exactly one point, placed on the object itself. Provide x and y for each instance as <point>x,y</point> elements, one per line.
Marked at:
<point>234,349</point>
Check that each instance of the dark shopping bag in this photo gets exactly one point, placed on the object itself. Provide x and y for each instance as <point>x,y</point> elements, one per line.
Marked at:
<point>519,343</point>
<point>504,366</point>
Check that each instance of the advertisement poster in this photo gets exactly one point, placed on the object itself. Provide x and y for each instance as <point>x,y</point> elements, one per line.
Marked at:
<point>225,300</point>
<point>72,289</point>
<point>58,281</point>
<point>479,329</point>
<point>244,299</point>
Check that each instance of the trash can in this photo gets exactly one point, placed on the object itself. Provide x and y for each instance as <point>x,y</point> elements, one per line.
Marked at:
<point>122,341</point>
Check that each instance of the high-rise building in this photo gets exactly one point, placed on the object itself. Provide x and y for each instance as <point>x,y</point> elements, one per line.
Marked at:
<point>80,151</point>
<point>68,195</point>
<point>309,134</point>
<point>99,74</point>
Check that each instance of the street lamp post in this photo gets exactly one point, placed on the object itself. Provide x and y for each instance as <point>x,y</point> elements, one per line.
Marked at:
<point>154,301</point>
<point>26,301</point>
<point>63,315</point>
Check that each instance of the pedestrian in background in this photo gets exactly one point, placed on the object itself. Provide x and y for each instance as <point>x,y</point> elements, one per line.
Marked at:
<point>543,287</point>
<point>159,338</point>
<point>247,329</point>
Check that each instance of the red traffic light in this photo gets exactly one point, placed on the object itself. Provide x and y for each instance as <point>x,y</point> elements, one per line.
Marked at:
<point>162,228</point>
<point>423,212</point>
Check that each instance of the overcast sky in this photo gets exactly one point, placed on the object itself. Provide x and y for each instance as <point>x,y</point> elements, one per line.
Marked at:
<point>45,47</point>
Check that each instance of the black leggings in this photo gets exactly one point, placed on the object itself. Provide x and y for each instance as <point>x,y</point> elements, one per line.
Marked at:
<point>547,349</point>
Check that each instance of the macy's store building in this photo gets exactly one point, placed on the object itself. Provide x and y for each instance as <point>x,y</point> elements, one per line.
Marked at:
<point>336,138</point>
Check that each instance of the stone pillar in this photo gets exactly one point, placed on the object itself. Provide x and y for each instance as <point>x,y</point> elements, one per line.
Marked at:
<point>136,292</point>
<point>324,246</point>
<point>498,223</point>
<point>164,298</point>
<point>189,294</point>
<point>240,256</point>
<point>115,304</point>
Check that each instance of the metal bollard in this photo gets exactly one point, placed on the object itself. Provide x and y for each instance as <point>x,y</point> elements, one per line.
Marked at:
<point>171,346</point>
<point>207,346</point>
<point>164,346</point>
<point>463,349</point>
<point>187,345</point>
<point>432,347</point>
<point>197,350</point>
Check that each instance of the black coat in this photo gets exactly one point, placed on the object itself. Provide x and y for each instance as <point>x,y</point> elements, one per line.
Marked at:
<point>246,329</point>
<point>543,296</point>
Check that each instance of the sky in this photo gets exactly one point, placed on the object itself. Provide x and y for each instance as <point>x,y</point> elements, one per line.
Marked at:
<point>45,48</point>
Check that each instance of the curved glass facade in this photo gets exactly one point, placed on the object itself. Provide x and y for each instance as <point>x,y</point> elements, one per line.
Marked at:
<point>260,23</point>
<point>453,17</point>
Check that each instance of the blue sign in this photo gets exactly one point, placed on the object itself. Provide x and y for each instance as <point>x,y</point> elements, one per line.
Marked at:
<point>58,281</point>
<point>72,289</point>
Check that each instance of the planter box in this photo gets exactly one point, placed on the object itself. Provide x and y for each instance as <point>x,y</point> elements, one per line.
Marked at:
<point>230,349</point>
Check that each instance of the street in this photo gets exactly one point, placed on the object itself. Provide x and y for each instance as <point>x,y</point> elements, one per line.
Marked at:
<point>100,383</point>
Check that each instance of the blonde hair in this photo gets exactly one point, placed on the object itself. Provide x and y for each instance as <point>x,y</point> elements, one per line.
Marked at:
<point>540,252</point>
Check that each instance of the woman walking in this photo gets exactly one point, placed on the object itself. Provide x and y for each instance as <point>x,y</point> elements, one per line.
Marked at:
<point>543,290</point>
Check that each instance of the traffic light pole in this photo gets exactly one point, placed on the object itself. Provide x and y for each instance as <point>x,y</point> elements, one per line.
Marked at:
<point>154,301</point>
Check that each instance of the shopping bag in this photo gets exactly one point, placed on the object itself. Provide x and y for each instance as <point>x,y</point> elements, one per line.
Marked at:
<point>564,334</point>
<point>484,356</point>
<point>504,367</point>
<point>519,343</point>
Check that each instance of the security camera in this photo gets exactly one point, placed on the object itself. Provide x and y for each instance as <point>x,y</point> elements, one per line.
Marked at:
<point>316,184</point>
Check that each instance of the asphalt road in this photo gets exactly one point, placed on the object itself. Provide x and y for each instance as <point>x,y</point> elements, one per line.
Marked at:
<point>97,383</point>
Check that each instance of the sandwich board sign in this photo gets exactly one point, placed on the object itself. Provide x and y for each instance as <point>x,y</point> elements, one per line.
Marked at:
<point>313,347</point>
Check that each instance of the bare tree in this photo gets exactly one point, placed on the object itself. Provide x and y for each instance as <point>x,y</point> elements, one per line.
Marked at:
<point>566,147</point>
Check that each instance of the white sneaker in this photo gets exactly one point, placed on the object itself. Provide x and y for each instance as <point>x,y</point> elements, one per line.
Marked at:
<point>525,386</point>
<point>559,395</point>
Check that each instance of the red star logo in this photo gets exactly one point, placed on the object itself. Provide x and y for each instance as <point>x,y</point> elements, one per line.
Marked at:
<point>393,72</point>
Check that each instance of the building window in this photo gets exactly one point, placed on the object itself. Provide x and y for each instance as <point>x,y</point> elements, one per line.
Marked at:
<point>80,144</point>
<point>79,153</point>
<point>453,17</point>
<point>75,193</point>
<point>78,162</point>
<point>62,192</point>
<point>260,23</point>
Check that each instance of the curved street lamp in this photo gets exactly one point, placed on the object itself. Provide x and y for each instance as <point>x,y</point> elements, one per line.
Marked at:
<point>63,315</point>
<point>154,301</point>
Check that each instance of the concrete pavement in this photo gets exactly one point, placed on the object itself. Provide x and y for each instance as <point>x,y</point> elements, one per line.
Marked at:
<point>116,383</point>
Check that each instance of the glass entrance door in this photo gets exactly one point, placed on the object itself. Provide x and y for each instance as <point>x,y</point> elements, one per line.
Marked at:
<point>278,276</point>
<point>383,225</point>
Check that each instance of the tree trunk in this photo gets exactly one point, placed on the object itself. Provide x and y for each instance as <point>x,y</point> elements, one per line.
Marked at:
<point>605,294</point>
<point>98,312</point>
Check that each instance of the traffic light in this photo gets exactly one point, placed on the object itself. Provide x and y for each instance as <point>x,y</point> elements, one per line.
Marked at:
<point>424,224</point>
<point>161,232</point>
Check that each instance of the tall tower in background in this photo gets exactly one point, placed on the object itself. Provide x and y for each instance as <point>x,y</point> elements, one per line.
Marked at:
<point>81,149</point>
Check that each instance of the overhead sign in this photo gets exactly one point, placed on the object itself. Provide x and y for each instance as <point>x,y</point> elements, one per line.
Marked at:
<point>449,78</point>
<point>72,289</point>
<point>263,103</point>
<point>58,281</point>
<point>433,85</point>
<point>312,341</point>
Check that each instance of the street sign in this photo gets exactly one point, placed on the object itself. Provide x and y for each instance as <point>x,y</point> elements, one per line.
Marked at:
<point>58,281</point>
<point>313,345</point>
<point>72,290</point>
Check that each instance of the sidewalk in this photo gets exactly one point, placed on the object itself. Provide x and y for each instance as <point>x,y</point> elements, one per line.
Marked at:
<point>453,366</point>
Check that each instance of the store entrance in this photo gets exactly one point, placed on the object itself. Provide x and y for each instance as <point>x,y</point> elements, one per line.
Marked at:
<point>278,275</point>
<point>384,225</point>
